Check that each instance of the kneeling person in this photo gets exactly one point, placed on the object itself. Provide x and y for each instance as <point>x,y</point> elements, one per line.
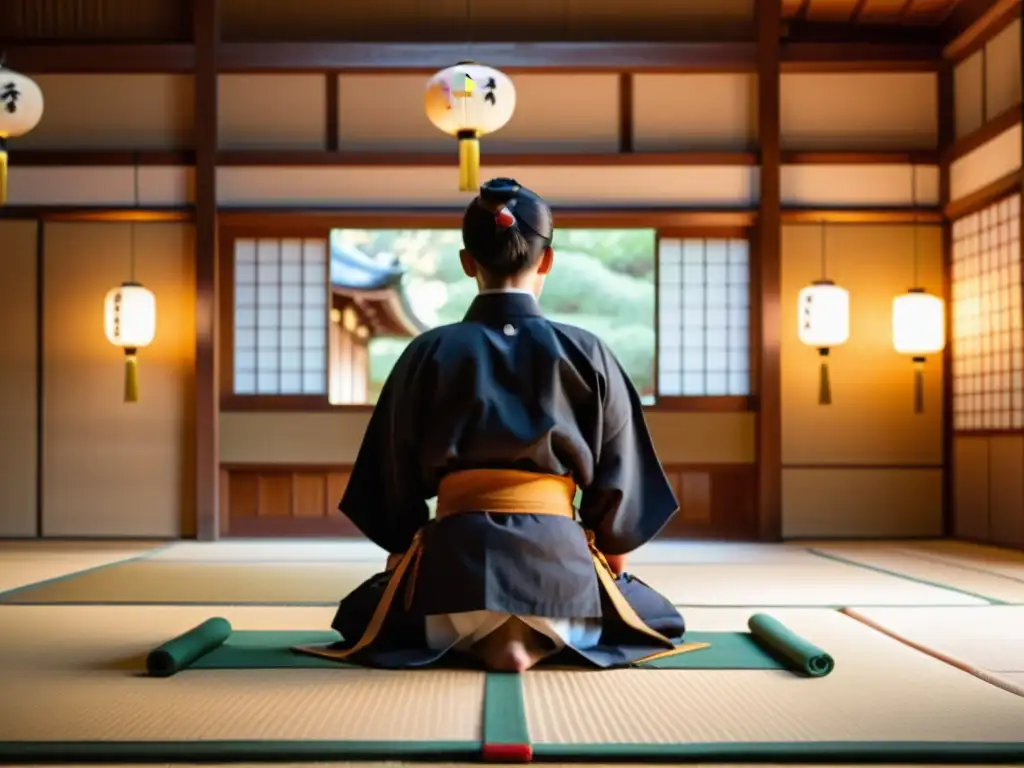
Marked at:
<point>501,417</point>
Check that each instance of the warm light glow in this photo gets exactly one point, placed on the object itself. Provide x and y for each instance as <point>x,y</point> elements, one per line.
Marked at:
<point>21,104</point>
<point>470,97</point>
<point>824,315</point>
<point>918,324</point>
<point>349,320</point>
<point>130,316</point>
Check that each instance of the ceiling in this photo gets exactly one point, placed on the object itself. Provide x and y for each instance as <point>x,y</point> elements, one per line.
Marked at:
<point>918,13</point>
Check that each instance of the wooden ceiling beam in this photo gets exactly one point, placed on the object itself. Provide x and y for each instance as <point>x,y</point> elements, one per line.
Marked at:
<point>800,52</point>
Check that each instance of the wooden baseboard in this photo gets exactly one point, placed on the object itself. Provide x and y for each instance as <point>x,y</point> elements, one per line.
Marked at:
<point>716,501</point>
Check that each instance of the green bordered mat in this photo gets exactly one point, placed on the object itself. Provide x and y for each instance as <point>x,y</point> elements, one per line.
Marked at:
<point>505,734</point>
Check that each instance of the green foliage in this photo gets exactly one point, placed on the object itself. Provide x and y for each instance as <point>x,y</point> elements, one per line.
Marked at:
<point>602,281</point>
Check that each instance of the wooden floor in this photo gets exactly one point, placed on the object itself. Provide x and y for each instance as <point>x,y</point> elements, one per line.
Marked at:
<point>913,626</point>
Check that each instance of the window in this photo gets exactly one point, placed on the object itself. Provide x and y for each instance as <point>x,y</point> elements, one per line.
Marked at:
<point>703,317</point>
<point>329,318</point>
<point>280,317</point>
<point>987,345</point>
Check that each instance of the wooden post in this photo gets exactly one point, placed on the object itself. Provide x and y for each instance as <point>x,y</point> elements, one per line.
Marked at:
<point>207,432</point>
<point>946,137</point>
<point>766,321</point>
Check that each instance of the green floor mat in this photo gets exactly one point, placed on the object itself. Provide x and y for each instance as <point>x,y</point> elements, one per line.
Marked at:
<point>214,645</point>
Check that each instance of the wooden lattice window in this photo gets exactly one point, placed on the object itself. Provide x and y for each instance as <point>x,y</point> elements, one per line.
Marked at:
<point>987,342</point>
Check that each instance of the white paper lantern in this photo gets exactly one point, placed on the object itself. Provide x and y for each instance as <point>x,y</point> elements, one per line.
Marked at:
<point>824,315</point>
<point>21,109</point>
<point>468,101</point>
<point>130,323</point>
<point>918,330</point>
<point>824,323</point>
<point>918,323</point>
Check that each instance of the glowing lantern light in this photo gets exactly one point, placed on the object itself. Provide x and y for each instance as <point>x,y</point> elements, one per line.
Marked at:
<point>918,330</point>
<point>468,101</point>
<point>825,324</point>
<point>21,109</point>
<point>130,323</point>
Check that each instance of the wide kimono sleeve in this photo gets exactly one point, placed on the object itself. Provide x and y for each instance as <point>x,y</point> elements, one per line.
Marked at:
<point>630,500</point>
<point>385,497</point>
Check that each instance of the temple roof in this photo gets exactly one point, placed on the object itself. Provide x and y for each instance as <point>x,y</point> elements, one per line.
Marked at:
<point>375,287</point>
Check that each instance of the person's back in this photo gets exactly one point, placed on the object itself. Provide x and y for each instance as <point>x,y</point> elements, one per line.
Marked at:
<point>501,417</point>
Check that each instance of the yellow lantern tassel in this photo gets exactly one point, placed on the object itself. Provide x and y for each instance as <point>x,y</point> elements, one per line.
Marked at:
<point>131,376</point>
<point>824,383</point>
<point>469,161</point>
<point>918,385</point>
<point>3,171</point>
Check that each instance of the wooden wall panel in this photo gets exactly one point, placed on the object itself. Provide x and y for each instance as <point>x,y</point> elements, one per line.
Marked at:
<point>266,438</point>
<point>18,381</point>
<point>1003,71</point>
<point>554,113</point>
<point>868,502</point>
<point>716,501</point>
<point>989,488</point>
<point>81,186</point>
<point>272,112</point>
<point>859,111</point>
<point>852,186</point>
<point>969,94</point>
<point>986,164</point>
<point>114,112</point>
<point>623,186</point>
<point>111,468</point>
<point>871,420</point>
<point>688,112</point>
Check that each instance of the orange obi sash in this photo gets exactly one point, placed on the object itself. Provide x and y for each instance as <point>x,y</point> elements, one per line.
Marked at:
<point>506,492</point>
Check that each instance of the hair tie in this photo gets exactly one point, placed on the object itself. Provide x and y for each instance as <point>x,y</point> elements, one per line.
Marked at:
<point>503,218</point>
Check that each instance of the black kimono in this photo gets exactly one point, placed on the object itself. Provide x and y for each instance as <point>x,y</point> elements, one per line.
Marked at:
<point>507,389</point>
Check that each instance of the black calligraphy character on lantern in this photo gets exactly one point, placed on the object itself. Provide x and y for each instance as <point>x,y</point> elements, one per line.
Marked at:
<point>9,96</point>
<point>490,87</point>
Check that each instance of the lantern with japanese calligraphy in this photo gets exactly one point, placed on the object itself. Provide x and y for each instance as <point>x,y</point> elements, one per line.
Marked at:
<point>468,101</point>
<point>130,323</point>
<point>824,321</point>
<point>21,109</point>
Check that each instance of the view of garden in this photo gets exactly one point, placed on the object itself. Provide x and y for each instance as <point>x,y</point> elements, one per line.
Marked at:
<point>603,281</point>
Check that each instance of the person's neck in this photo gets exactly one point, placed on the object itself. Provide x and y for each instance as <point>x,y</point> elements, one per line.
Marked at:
<point>505,289</point>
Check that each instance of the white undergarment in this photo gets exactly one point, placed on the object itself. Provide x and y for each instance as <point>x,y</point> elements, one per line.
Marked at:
<point>462,630</point>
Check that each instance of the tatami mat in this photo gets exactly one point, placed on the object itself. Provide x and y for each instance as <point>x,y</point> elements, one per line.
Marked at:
<point>817,582</point>
<point>810,581</point>
<point>880,690</point>
<point>991,586</point>
<point>72,673</point>
<point>29,562</point>
<point>312,551</point>
<point>988,641</point>
<point>1004,562</point>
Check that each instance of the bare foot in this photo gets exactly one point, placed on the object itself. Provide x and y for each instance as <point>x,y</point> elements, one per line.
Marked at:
<point>513,647</point>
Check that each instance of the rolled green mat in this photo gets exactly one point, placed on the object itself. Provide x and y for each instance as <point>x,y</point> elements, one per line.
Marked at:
<point>798,654</point>
<point>177,654</point>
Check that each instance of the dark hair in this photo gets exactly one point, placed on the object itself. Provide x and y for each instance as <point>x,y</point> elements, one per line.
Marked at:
<point>506,228</point>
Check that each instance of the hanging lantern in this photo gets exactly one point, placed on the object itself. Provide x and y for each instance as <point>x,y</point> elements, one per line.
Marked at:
<point>130,321</point>
<point>21,109</point>
<point>918,330</point>
<point>468,101</point>
<point>824,323</point>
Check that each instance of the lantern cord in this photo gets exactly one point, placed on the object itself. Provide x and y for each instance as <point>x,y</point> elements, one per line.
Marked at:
<point>824,250</point>
<point>131,226</point>
<point>913,203</point>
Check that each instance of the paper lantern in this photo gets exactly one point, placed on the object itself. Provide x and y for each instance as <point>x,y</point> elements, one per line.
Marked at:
<point>21,109</point>
<point>824,323</point>
<point>468,101</point>
<point>918,330</point>
<point>130,323</point>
